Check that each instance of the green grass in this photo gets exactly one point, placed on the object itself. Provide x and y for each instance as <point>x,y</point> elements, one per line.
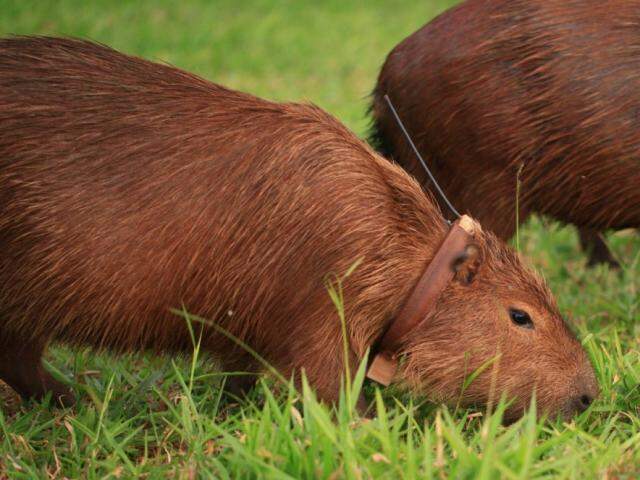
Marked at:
<point>164,418</point>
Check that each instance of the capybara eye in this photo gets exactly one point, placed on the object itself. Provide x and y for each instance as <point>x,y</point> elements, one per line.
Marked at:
<point>520,318</point>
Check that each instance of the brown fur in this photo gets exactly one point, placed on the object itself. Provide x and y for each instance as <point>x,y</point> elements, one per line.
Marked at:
<point>129,188</point>
<point>548,84</point>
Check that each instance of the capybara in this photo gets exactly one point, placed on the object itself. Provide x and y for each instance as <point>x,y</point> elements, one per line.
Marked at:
<point>549,88</point>
<point>130,188</point>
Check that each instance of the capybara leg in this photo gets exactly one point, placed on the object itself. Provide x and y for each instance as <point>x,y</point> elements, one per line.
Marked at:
<point>325,373</point>
<point>593,244</point>
<point>239,386</point>
<point>21,368</point>
<point>242,376</point>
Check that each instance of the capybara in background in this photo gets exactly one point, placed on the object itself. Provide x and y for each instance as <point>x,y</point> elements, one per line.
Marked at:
<point>129,188</point>
<point>550,87</point>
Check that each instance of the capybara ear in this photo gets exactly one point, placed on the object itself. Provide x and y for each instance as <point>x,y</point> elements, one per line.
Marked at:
<point>466,266</point>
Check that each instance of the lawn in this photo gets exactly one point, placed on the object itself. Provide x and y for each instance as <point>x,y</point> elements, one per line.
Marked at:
<point>150,417</point>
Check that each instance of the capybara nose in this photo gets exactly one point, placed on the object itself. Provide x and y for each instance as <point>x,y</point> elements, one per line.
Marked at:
<point>587,393</point>
<point>583,402</point>
<point>578,404</point>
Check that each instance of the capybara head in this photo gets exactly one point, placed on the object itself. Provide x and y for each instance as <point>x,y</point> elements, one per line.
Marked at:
<point>499,319</point>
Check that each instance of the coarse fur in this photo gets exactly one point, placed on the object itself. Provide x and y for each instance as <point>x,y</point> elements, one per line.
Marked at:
<point>550,87</point>
<point>129,188</point>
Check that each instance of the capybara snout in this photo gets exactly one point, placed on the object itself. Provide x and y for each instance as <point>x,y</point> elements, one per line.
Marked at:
<point>130,188</point>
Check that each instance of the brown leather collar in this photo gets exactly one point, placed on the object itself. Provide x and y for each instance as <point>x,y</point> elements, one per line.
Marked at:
<point>437,275</point>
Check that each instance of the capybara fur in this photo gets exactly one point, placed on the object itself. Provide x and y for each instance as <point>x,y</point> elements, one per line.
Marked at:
<point>550,87</point>
<point>130,188</point>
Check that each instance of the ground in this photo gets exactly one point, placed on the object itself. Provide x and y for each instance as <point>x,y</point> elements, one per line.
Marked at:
<point>150,417</point>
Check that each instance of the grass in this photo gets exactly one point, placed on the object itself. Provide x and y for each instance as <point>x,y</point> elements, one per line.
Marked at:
<point>153,417</point>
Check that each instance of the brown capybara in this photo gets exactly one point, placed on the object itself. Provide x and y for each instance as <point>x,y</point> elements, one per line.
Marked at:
<point>129,188</point>
<point>550,87</point>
